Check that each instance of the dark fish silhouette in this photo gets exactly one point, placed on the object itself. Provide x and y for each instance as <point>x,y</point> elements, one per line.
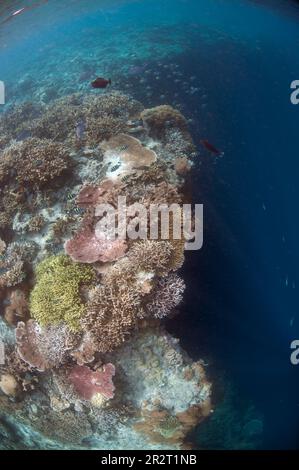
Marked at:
<point>101,82</point>
<point>211,147</point>
<point>80,129</point>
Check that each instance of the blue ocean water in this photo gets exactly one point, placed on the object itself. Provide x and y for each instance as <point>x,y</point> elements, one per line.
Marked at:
<point>227,65</point>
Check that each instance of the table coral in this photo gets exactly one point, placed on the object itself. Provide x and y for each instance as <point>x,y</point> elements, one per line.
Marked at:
<point>124,154</point>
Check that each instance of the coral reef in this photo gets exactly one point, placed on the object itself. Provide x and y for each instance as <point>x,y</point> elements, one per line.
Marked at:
<point>86,362</point>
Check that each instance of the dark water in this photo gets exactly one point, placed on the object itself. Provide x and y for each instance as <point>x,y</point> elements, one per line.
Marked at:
<point>241,308</point>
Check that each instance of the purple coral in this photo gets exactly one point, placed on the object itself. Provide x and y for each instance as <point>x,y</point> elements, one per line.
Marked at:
<point>88,383</point>
<point>86,247</point>
<point>168,294</point>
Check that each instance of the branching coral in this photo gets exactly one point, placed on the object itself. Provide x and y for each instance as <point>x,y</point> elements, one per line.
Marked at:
<point>34,162</point>
<point>16,121</point>
<point>167,295</point>
<point>56,294</point>
<point>64,426</point>
<point>102,128</point>
<point>111,314</point>
<point>36,223</point>
<point>13,263</point>
<point>2,246</point>
<point>86,313</point>
<point>44,347</point>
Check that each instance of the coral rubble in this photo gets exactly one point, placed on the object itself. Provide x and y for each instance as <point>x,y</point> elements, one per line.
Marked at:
<point>86,360</point>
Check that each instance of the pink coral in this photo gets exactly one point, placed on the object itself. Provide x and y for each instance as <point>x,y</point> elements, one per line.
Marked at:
<point>88,383</point>
<point>86,247</point>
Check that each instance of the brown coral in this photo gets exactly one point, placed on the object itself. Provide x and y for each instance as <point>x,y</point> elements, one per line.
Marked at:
<point>8,384</point>
<point>35,162</point>
<point>151,256</point>
<point>36,223</point>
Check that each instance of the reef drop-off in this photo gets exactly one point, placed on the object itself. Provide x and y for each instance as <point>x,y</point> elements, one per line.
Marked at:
<point>87,361</point>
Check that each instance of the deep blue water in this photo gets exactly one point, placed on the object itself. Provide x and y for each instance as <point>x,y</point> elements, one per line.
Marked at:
<point>241,307</point>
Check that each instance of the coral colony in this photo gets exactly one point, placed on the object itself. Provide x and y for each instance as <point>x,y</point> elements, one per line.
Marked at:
<point>86,361</point>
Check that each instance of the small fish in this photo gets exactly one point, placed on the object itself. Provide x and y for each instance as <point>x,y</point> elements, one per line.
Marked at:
<point>114,168</point>
<point>80,129</point>
<point>123,148</point>
<point>211,147</point>
<point>100,82</point>
<point>69,196</point>
<point>264,206</point>
<point>287,281</point>
<point>292,322</point>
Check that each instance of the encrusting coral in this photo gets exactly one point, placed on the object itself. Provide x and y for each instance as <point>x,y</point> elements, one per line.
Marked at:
<point>56,294</point>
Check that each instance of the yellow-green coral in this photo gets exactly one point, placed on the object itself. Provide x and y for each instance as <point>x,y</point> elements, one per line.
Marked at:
<point>56,295</point>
